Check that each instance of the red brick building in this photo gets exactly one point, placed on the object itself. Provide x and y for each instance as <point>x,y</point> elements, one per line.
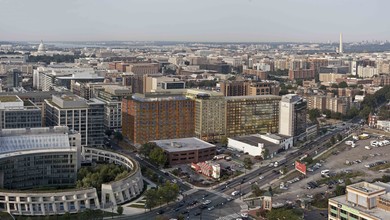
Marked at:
<point>301,74</point>
<point>147,117</point>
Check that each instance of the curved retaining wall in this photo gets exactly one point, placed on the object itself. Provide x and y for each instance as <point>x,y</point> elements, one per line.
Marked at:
<point>30,202</point>
<point>49,202</point>
<point>121,191</point>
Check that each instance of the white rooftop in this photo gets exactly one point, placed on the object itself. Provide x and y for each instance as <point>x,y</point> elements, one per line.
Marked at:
<point>16,140</point>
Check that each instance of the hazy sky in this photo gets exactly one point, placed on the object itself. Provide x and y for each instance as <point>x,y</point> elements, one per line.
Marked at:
<point>194,20</point>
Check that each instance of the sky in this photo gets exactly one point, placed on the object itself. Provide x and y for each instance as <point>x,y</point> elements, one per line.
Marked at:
<point>194,20</point>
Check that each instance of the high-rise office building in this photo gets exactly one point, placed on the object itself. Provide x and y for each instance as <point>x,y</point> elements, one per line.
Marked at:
<point>341,50</point>
<point>248,88</point>
<point>14,79</point>
<point>79,114</point>
<point>112,98</point>
<point>147,117</point>
<point>292,119</point>
<point>16,113</point>
<point>210,110</point>
<point>252,114</point>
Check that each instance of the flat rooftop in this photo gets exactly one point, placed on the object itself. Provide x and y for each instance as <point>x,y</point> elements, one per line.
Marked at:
<point>255,139</point>
<point>253,97</point>
<point>366,187</point>
<point>183,144</point>
<point>377,212</point>
<point>9,98</point>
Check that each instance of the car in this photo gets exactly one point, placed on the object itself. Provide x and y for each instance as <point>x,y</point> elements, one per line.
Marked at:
<point>177,209</point>
<point>197,213</point>
<point>367,147</point>
<point>160,212</point>
<point>261,177</point>
<point>206,202</point>
<point>202,206</point>
<point>185,212</point>
<point>229,199</point>
<point>211,208</point>
<point>235,193</point>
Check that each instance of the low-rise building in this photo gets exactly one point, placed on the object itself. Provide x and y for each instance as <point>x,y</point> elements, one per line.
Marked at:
<point>208,168</point>
<point>186,150</point>
<point>255,144</point>
<point>383,125</point>
<point>362,201</point>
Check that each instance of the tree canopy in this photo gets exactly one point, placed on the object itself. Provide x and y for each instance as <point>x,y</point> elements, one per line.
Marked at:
<point>154,153</point>
<point>166,193</point>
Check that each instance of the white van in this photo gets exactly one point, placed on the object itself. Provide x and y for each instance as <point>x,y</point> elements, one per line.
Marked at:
<point>325,172</point>
<point>235,193</point>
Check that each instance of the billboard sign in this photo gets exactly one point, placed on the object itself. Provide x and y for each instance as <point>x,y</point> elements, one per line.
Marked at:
<point>301,167</point>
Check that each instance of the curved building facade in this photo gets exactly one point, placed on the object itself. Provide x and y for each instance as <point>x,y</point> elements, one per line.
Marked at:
<point>34,163</point>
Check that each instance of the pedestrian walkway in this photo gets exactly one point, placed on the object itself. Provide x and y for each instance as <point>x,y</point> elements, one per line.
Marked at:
<point>229,217</point>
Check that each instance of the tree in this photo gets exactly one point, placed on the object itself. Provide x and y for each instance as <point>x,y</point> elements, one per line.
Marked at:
<point>158,156</point>
<point>248,163</point>
<point>307,160</point>
<point>168,192</point>
<point>146,148</point>
<point>332,140</point>
<point>365,111</point>
<point>384,113</point>
<point>327,112</point>
<point>334,85</point>
<point>314,114</point>
<point>108,132</point>
<point>343,84</point>
<point>150,198</point>
<point>339,137</point>
<point>270,190</point>
<point>119,210</point>
<point>257,191</point>
<point>322,87</point>
<point>224,141</point>
<point>118,136</point>
<point>284,213</point>
<point>265,153</point>
<point>340,190</point>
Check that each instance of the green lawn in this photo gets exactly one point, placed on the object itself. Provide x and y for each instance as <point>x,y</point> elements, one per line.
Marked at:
<point>5,216</point>
<point>380,167</point>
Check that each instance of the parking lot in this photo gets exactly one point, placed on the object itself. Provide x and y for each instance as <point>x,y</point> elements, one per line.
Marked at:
<point>353,163</point>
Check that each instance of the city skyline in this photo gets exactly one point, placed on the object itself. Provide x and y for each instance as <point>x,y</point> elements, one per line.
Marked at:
<point>175,20</point>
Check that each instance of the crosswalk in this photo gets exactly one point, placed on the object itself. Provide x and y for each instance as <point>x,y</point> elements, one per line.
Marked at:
<point>229,217</point>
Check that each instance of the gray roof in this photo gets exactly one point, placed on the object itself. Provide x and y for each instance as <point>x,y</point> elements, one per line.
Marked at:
<point>183,144</point>
<point>10,144</point>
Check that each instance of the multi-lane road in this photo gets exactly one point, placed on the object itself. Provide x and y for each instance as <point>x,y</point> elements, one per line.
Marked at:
<point>219,194</point>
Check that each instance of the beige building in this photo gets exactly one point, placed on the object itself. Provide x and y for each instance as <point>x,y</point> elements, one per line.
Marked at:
<point>334,104</point>
<point>158,82</point>
<point>210,110</point>
<point>142,68</point>
<point>362,201</point>
<point>328,79</point>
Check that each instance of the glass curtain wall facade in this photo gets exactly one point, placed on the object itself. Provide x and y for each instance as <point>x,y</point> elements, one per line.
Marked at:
<point>252,114</point>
